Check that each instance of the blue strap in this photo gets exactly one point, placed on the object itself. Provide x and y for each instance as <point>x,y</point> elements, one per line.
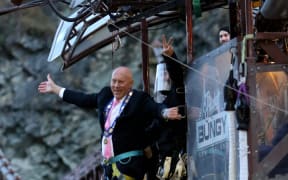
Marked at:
<point>119,157</point>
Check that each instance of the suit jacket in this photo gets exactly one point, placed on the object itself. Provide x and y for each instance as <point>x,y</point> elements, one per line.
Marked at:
<point>129,132</point>
<point>137,114</point>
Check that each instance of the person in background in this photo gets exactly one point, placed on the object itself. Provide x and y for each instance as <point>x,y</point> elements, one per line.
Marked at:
<point>224,34</point>
<point>169,139</point>
<point>123,113</point>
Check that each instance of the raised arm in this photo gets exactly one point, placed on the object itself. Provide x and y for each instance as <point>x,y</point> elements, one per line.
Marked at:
<point>167,46</point>
<point>173,67</point>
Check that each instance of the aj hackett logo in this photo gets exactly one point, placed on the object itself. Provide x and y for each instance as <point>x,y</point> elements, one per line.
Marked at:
<point>211,130</point>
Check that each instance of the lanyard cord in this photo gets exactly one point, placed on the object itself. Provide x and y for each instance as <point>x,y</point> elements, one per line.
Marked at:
<point>109,131</point>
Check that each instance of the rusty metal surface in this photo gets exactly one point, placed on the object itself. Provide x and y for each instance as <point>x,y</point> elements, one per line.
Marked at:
<point>82,48</point>
<point>254,124</point>
<point>267,85</point>
<point>274,52</point>
<point>274,157</point>
<point>271,35</point>
<point>154,15</point>
<point>260,83</point>
<point>189,27</point>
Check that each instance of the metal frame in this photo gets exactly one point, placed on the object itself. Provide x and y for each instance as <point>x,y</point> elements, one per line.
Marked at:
<point>266,41</point>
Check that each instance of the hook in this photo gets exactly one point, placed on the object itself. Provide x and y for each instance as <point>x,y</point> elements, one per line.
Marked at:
<point>117,43</point>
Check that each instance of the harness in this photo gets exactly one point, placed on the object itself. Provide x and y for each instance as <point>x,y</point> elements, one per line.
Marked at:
<point>122,156</point>
<point>112,161</point>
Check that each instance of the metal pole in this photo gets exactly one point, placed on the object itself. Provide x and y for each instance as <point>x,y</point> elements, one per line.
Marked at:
<point>145,58</point>
<point>189,34</point>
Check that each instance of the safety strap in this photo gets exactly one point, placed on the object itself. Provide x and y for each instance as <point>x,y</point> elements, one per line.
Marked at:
<point>122,156</point>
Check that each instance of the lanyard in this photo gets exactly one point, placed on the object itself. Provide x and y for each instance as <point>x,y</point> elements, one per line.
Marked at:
<point>108,131</point>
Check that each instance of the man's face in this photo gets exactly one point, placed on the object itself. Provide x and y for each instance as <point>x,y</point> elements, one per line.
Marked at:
<point>224,36</point>
<point>121,82</point>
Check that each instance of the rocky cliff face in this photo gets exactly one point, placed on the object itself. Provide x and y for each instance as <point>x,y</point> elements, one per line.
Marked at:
<point>43,137</point>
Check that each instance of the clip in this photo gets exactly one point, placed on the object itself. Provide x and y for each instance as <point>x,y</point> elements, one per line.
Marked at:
<point>117,43</point>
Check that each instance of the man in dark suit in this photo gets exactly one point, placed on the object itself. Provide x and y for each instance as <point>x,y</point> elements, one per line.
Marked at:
<point>124,114</point>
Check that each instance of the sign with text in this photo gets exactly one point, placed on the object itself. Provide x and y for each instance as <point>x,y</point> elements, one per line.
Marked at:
<point>209,144</point>
<point>211,130</point>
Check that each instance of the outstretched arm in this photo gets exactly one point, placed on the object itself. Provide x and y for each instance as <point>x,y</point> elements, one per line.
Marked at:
<point>49,86</point>
<point>73,97</point>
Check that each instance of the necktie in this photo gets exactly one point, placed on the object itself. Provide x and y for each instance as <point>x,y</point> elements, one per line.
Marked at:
<point>108,145</point>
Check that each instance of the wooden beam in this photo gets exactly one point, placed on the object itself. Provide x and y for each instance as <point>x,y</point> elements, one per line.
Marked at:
<point>145,58</point>
<point>189,30</point>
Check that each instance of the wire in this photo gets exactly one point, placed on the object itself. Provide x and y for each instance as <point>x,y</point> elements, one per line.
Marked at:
<point>205,76</point>
<point>68,19</point>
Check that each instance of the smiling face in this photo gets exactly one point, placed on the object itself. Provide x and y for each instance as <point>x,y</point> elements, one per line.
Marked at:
<point>121,82</point>
<point>224,36</point>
